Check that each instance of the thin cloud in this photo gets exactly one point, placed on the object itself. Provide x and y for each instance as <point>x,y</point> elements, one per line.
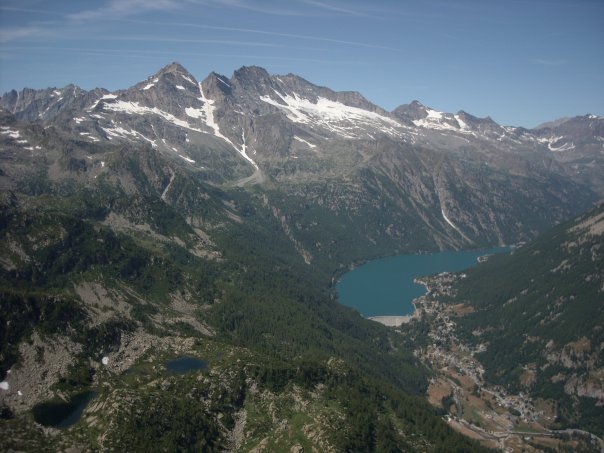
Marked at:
<point>317,8</point>
<point>262,32</point>
<point>273,9</point>
<point>30,10</point>
<point>142,53</point>
<point>337,9</point>
<point>546,62</point>
<point>228,42</point>
<point>194,41</point>
<point>123,8</point>
<point>15,33</point>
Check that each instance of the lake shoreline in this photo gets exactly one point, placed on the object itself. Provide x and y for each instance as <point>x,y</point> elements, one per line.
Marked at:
<point>385,290</point>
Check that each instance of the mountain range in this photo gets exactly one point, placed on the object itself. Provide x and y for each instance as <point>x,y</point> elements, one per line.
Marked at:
<point>426,177</point>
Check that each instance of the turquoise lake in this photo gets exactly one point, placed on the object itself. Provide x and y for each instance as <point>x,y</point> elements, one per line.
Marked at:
<point>385,287</point>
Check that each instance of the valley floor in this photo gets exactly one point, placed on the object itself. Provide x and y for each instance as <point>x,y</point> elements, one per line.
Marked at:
<point>473,407</point>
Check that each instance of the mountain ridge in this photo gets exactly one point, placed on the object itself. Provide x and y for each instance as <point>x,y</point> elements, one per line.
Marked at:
<point>259,72</point>
<point>255,128</point>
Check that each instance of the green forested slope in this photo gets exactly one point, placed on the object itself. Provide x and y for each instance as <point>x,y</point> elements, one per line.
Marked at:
<point>540,311</point>
<point>104,278</point>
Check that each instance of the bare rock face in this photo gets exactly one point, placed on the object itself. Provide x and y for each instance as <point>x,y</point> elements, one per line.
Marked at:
<point>43,362</point>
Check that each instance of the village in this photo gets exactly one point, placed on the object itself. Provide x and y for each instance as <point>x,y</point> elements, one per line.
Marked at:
<point>487,413</point>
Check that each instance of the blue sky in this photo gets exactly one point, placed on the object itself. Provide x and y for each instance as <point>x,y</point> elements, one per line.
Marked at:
<point>522,62</point>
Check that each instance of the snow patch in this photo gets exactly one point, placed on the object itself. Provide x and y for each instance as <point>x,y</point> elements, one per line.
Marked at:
<point>451,223</point>
<point>5,130</point>
<point>310,145</point>
<point>208,108</point>
<point>434,120</point>
<point>565,147</point>
<point>105,360</point>
<point>336,117</point>
<point>462,124</point>
<point>120,132</point>
<point>104,97</point>
<point>180,87</point>
<point>188,159</point>
<point>558,149</point>
<point>132,108</point>
<point>195,113</point>
<point>191,161</point>
<point>244,149</point>
<point>56,93</point>
<point>4,385</point>
<point>151,84</point>
<point>430,124</point>
<point>223,82</point>
<point>434,114</point>
<point>188,79</point>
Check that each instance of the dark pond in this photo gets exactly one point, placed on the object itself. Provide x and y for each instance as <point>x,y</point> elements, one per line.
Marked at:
<point>185,364</point>
<point>61,414</point>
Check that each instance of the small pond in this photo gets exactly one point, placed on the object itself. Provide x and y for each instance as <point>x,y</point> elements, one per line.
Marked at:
<point>61,414</point>
<point>185,364</point>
